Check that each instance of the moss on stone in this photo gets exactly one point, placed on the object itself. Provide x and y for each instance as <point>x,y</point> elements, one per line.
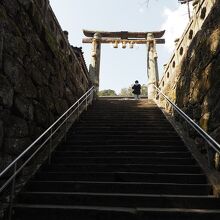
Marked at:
<point>3,13</point>
<point>52,42</point>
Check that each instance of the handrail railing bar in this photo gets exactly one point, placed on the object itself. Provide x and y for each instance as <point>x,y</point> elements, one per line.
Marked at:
<point>66,119</point>
<point>35,152</point>
<point>39,148</point>
<point>206,136</point>
<point>24,164</point>
<point>48,129</point>
<point>198,129</point>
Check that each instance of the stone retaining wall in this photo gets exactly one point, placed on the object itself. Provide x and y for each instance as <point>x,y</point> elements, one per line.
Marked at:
<point>192,76</point>
<point>40,75</point>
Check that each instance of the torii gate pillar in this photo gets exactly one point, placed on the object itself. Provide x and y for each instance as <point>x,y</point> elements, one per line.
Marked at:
<point>152,66</point>
<point>124,37</point>
<point>94,67</point>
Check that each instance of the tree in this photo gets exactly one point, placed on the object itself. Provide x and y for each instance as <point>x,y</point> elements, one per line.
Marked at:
<point>107,92</point>
<point>126,91</point>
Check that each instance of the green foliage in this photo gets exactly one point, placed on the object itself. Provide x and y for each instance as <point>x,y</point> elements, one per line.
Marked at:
<point>128,91</point>
<point>107,92</point>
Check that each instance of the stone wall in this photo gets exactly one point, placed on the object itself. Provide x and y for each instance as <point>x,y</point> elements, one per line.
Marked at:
<point>40,74</point>
<point>192,76</point>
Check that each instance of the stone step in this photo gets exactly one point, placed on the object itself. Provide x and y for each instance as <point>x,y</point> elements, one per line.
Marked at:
<point>120,200</point>
<point>145,168</point>
<point>120,160</point>
<point>107,132</point>
<point>161,122</point>
<point>126,123</point>
<point>119,187</point>
<point>122,154</point>
<point>122,177</point>
<point>109,128</point>
<point>138,137</point>
<point>57,212</point>
<point>156,141</point>
<point>122,147</point>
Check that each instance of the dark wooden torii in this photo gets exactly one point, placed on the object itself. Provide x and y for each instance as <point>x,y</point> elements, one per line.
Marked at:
<point>96,38</point>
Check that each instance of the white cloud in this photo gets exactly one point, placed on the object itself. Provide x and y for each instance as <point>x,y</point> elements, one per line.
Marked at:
<point>174,24</point>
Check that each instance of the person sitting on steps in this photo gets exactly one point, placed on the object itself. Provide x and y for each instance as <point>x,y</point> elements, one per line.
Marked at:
<point>136,90</point>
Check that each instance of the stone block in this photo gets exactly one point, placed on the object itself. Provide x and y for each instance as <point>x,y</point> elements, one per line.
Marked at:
<point>15,146</point>
<point>15,127</point>
<point>70,97</point>
<point>61,106</point>
<point>41,115</point>
<point>15,46</point>
<point>1,133</point>
<point>6,92</point>
<point>26,88</point>
<point>24,107</point>
<point>35,131</point>
<point>12,7</point>
<point>45,97</point>
<point>26,3</point>
<point>37,77</point>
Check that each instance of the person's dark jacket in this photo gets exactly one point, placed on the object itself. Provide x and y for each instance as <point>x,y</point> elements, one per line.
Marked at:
<point>136,89</point>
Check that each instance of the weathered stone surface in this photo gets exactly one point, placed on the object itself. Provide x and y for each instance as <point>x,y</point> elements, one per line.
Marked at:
<point>70,97</point>
<point>26,88</point>
<point>41,115</point>
<point>198,81</point>
<point>1,133</point>
<point>15,127</point>
<point>6,92</point>
<point>35,131</point>
<point>12,7</point>
<point>33,73</point>
<point>46,100</point>
<point>56,83</point>
<point>61,106</point>
<point>15,46</point>
<point>37,77</point>
<point>15,146</point>
<point>26,3</point>
<point>16,73</point>
<point>24,107</point>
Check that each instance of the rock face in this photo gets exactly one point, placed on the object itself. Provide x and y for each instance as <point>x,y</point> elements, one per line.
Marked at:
<point>40,75</point>
<point>195,81</point>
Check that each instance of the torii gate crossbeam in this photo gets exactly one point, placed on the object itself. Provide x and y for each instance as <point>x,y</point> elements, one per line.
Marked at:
<point>96,38</point>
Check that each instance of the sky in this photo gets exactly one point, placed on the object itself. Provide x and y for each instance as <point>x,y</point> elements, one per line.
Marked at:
<point>121,67</point>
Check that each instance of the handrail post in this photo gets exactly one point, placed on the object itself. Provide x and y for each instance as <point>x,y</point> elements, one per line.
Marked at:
<point>45,139</point>
<point>214,145</point>
<point>209,157</point>
<point>50,147</point>
<point>78,110</point>
<point>86,102</point>
<point>12,193</point>
<point>65,128</point>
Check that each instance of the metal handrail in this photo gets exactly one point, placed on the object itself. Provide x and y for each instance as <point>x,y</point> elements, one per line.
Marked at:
<point>87,97</point>
<point>213,143</point>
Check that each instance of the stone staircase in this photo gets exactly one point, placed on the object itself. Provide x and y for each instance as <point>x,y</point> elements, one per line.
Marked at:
<point>123,160</point>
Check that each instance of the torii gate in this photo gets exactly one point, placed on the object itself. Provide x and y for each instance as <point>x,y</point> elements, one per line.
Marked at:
<point>150,39</point>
